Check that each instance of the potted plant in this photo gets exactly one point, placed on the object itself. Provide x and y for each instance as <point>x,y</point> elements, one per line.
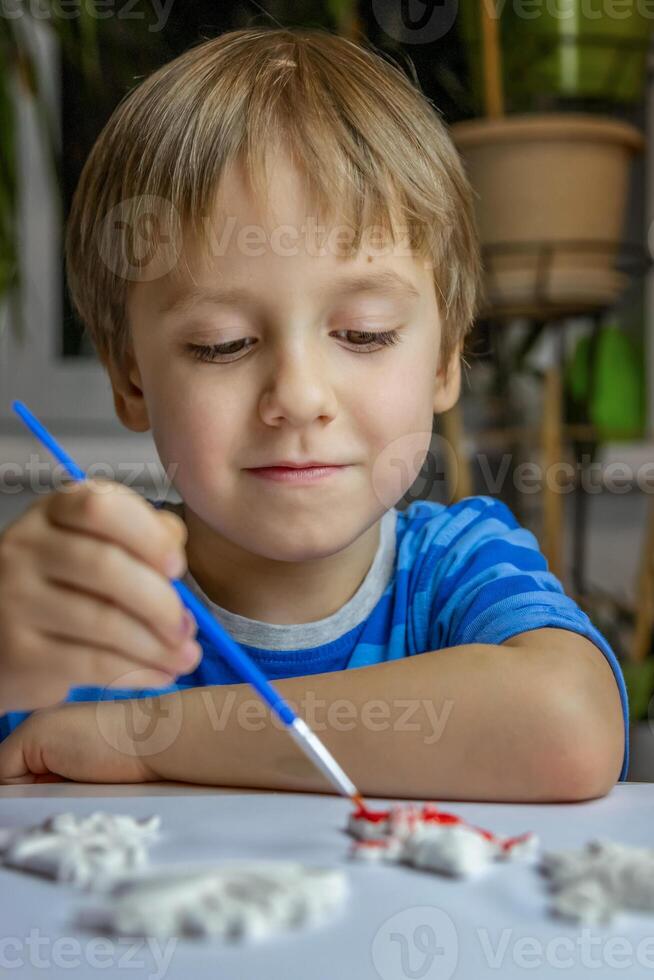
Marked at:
<point>577,51</point>
<point>21,78</point>
<point>551,193</point>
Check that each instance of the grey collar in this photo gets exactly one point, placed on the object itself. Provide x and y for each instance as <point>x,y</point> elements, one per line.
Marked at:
<point>298,636</point>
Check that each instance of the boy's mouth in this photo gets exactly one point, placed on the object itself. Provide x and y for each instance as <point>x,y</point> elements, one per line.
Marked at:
<point>309,473</point>
<point>297,464</point>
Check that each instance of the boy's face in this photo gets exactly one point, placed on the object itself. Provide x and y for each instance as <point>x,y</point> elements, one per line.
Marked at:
<point>291,382</point>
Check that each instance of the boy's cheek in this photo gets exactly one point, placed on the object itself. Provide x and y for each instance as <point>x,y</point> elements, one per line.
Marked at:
<point>398,465</point>
<point>195,449</point>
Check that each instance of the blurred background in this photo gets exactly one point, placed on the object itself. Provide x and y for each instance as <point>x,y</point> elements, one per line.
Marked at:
<point>550,105</point>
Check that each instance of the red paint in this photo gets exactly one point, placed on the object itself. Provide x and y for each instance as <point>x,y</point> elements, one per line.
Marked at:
<point>510,841</point>
<point>434,816</point>
<point>363,813</point>
<point>429,814</point>
<point>372,816</point>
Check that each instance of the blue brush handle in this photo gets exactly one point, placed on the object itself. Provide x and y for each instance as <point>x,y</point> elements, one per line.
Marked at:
<point>237,658</point>
<point>226,646</point>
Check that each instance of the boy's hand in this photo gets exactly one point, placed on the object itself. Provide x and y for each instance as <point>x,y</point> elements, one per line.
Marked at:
<point>85,597</point>
<point>85,742</point>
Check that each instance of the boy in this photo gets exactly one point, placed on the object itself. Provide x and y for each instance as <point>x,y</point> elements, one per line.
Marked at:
<point>290,386</point>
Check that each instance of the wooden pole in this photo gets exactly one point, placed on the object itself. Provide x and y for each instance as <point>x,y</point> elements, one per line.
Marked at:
<point>552,444</point>
<point>458,462</point>
<point>644,612</point>
<point>493,94</point>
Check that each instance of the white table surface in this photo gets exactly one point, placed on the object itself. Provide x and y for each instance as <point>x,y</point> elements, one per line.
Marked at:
<point>398,924</point>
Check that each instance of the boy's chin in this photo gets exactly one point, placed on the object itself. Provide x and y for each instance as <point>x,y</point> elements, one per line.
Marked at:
<point>292,547</point>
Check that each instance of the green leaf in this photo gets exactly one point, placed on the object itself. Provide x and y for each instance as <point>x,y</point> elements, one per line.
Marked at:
<point>18,66</point>
<point>341,11</point>
<point>639,678</point>
<point>9,266</point>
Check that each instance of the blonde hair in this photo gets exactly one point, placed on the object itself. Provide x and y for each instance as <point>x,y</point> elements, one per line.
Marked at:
<point>361,132</point>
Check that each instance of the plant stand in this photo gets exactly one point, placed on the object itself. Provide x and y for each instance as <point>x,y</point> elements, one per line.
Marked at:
<point>555,432</point>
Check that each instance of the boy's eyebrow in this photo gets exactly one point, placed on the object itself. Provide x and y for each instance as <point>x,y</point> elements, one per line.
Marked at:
<point>388,281</point>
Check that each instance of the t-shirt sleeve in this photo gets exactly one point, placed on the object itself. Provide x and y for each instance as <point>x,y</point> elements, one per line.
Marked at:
<point>492,582</point>
<point>12,719</point>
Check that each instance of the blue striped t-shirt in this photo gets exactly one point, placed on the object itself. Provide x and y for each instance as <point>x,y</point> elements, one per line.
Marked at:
<point>442,576</point>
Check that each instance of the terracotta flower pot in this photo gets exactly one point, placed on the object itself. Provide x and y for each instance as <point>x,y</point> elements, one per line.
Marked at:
<point>552,192</point>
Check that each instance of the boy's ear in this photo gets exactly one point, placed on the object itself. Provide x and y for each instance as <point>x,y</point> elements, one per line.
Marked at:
<point>448,384</point>
<point>128,392</point>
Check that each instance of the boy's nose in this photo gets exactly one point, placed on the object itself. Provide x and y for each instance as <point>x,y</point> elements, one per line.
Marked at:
<point>299,392</point>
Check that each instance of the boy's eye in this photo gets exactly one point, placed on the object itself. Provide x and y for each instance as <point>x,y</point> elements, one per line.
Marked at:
<point>365,338</point>
<point>362,340</point>
<point>209,352</point>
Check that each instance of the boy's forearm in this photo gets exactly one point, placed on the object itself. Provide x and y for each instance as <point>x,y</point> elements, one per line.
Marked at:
<point>468,722</point>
